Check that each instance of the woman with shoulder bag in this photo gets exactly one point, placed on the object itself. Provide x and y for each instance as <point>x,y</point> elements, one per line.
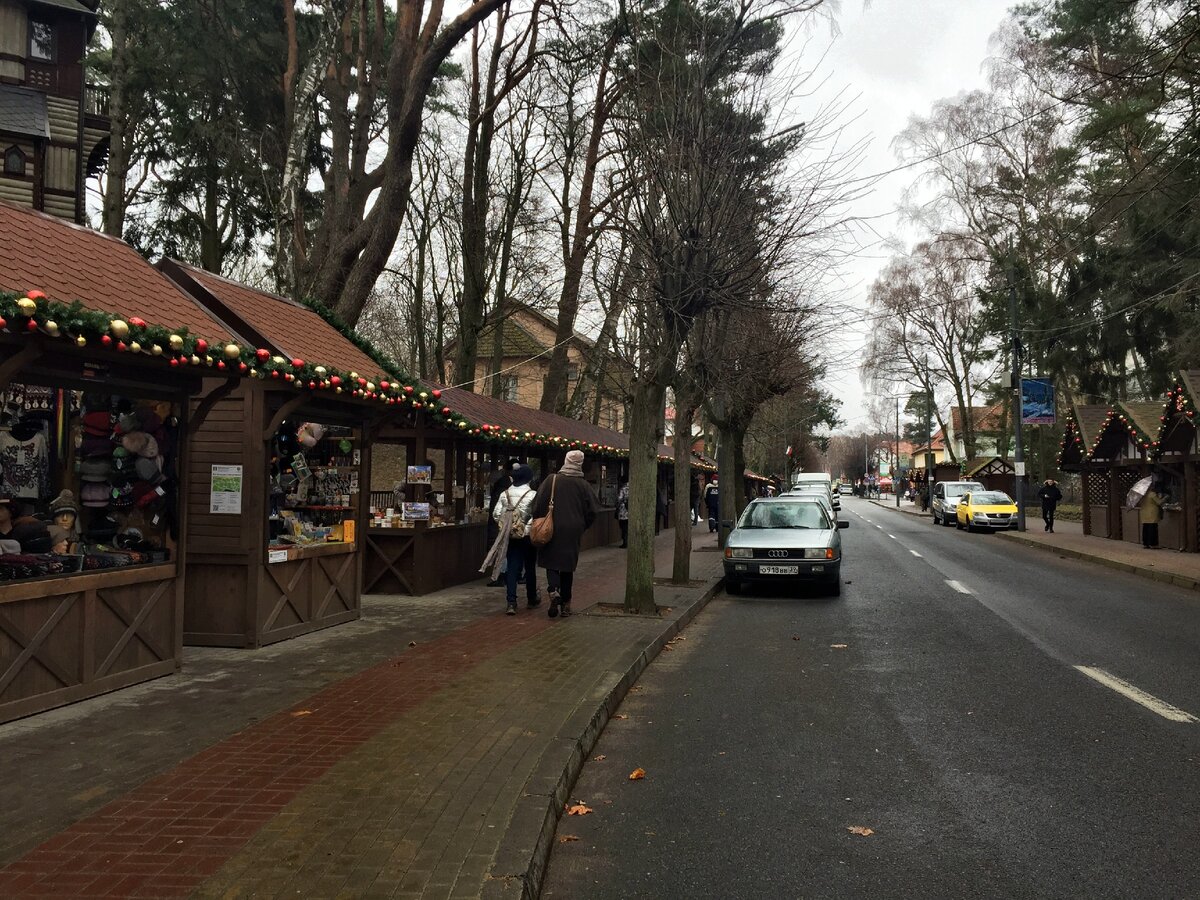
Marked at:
<point>515,505</point>
<point>567,500</point>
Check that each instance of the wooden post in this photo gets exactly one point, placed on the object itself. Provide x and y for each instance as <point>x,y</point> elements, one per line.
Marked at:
<point>1086,485</point>
<point>1191,539</point>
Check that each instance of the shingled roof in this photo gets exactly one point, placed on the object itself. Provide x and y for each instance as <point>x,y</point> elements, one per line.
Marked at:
<point>291,328</point>
<point>69,262</point>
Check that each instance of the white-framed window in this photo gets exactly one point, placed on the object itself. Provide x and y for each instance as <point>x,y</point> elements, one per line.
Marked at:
<point>508,388</point>
<point>41,40</point>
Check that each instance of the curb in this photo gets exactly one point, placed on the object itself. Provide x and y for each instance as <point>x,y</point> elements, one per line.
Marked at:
<point>894,508</point>
<point>520,863</point>
<point>1182,581</point>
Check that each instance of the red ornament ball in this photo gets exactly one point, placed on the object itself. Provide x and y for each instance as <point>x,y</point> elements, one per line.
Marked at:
<point>437,394</point>
<point>262,355</point>
<point>174,362</point>
<point>105,340</point>
<point>335,380</point>
<point>384,385</point>
<point>297,364</point>
<point>242,367</point>
<point>35,295</point>
<point>121,347</point>
<point>445,410</point>
<point>201,347</point>
<point>274,373</point>
<point>408,389</point>
<point>137,321</point>
<point>3,324</point>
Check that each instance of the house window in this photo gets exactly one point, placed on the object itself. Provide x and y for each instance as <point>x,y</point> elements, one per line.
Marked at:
<point>41,40</point>
<point>572,371</point>
<point>14,161</point>
<point>508,388</point>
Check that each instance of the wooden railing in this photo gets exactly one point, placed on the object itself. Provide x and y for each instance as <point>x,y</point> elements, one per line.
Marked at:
<point>95,100</point>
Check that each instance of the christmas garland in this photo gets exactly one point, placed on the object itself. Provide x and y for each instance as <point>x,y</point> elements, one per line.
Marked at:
<point>34,312</point>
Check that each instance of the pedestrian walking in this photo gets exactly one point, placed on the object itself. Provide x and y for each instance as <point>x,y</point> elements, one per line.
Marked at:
<point>623,511</point>
<point>1150,514</point>
<point>1050,496</point>
<point>500,484</point>
<point>694,499</point>
<point>712,502</point>
<point>568,494</point>
<point>514,509</point>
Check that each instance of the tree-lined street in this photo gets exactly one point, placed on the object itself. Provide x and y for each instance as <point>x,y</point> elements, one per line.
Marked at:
<point>938,704</point>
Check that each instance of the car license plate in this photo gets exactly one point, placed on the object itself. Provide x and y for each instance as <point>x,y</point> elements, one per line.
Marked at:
<point>778,570</point>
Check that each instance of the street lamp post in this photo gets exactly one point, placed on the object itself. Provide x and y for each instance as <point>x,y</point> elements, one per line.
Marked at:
<point>1018,449</point>
<point>896,464</point>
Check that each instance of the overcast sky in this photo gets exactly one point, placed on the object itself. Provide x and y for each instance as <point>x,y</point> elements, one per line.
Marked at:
<point>896,57</point>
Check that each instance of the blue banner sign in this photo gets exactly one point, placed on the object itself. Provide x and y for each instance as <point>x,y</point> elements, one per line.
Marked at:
<point>1037,401</point>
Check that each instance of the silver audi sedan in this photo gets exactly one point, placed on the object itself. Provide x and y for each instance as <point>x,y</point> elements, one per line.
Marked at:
<point>788,539</point>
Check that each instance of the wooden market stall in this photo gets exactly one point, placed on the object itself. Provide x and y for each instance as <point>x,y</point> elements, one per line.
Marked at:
<point>445,474</point>
<point>94,420</point>
<point>278,474</point>
<point>1177,460</point>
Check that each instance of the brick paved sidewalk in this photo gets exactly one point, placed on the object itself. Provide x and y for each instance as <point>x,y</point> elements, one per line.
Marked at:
<point>339,764</point>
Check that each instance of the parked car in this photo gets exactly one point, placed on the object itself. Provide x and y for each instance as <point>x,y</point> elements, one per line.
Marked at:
<point>946,495</point>
<point>789,540</point>
<point>815,489</point>
<point>986,511</point>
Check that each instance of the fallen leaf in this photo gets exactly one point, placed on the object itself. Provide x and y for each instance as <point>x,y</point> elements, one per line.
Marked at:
<point>600,758</point>
<point>568,838</point>
<point>721,753</point>
<point>301,712</point>
<point>637,774</point>
<point>795,637</point>
<point>412,643</point>
<point>859,829</point>
<point>620,716</point>
<point>839,646</point>
<point>668,647</point>
<point>578,810</point>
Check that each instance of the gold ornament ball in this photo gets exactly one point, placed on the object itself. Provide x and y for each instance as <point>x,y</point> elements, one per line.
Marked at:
<point>278,360</point>
<point>52,329</point>
<point>135,347</point>
<point>81,341</point>
<point>338,389</point>
<point>176,342</point>
<point>27,307</point>
<point>208,360</point>
<point>119,329</point>
<point>354,376</point>
<point>370,385</point>
<point>232,351</point>
<point>320,370</point>
<point>156,350</point>
<point>195,360</point>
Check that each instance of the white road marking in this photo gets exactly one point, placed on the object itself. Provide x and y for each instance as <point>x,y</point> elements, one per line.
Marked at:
<point>880,527</point>
<point>916,554</point>
<point>962,589</point>
<point>1137,695</point>
<point>892,536</point>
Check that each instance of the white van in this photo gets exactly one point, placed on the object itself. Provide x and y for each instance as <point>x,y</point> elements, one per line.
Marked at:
<point>809,477</point>
<point>945,499</point>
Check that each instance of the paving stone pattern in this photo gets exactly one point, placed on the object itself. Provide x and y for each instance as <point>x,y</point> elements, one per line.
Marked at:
<point>399,780</point>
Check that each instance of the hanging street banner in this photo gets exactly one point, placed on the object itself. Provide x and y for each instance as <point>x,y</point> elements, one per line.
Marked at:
<point>1037,401</point>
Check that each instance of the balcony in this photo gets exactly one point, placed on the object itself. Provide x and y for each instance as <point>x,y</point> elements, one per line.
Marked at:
<point>95,101</point>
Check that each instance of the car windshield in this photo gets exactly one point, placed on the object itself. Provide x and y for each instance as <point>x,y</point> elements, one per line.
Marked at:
<point>957,490</point>
<point>784,515</point>
<point>990,498</point>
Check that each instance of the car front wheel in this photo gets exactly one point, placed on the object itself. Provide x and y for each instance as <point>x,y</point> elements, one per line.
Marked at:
<point>733,588</point>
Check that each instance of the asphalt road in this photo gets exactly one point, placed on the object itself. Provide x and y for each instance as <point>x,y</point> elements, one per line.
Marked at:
<point>953,724</point>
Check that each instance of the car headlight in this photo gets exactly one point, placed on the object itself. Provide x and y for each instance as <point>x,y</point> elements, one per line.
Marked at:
<point>980,517</point>
<point>818,553</point>
<point>738,553</point>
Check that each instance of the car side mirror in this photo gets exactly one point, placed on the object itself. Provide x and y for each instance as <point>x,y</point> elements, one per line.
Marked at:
<point>843,524</point>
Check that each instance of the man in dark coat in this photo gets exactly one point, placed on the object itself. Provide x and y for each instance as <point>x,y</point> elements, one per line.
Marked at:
<point>1050,495</point>
<point>712,501</point>
<point>574,513</point>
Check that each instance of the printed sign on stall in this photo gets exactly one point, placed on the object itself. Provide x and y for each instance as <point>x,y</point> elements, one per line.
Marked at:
<point>225,497</point>
<point>420,474</point>
<point>415,512</point>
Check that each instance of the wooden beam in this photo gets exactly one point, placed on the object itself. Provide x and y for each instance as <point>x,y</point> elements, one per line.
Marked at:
<point>284,411</point>
<point>210,400</point>
<point>14,363</point>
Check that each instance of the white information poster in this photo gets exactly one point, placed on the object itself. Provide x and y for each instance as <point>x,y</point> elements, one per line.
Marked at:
<point>226,495</point>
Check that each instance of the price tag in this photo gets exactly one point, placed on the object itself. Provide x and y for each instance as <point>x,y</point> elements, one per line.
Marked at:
<point>276,556</point>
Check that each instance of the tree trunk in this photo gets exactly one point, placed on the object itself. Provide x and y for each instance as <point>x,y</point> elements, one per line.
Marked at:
<point>648,400</point>
<point>118,153</point>
<point>210,228</point>
<point>741,501</point>
<point>681,570</point>
<point>729,484</point>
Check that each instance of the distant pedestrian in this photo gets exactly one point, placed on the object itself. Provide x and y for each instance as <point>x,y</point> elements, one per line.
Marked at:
<point>500,484</point>
<point>512,514</point>
<point>1050,496</point>
<point>694,499</point>
<point>1150,514</point>
<point>923,492</point>
<point>623,510</point>
<point>574,513</point>
<point>712,502</point>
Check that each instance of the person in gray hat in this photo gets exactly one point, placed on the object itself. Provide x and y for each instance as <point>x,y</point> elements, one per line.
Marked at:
<point>574,513</point>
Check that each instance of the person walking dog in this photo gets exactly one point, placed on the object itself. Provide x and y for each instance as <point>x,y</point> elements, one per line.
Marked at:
<point>568,500</point>
<point>1050,496</point>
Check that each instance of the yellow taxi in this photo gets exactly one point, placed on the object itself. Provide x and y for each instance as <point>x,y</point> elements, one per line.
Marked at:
<point>986,511</point>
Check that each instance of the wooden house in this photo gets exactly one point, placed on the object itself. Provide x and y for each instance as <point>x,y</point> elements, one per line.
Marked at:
<point>54,125</point>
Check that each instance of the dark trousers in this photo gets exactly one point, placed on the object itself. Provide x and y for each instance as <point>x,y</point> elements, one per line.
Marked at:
<point>623,524</point>
<point>1048,516</point>
<point>712,519</point>
<point>1149,534</point>
<point>560,581</point>
<point>522,556</point>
